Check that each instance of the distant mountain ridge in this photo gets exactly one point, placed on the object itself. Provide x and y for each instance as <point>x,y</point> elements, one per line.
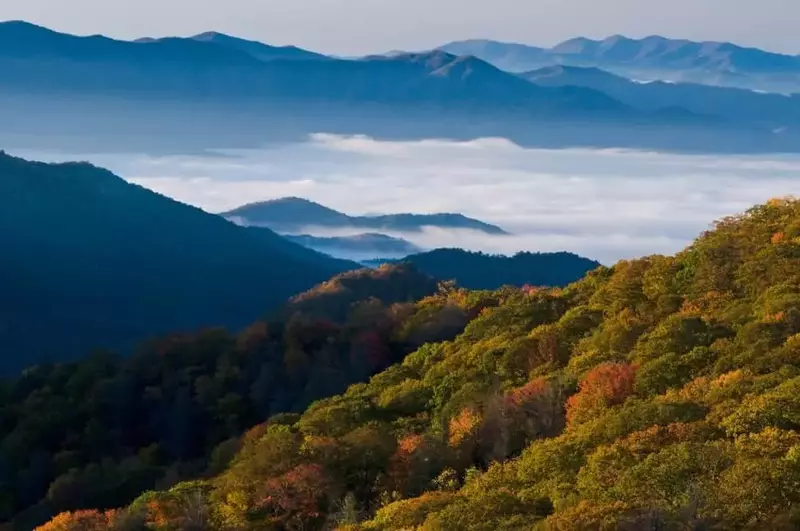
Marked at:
<point>653,57</point>
<point>292,214</point>
<point>91,261</point>
<point>475,270</point>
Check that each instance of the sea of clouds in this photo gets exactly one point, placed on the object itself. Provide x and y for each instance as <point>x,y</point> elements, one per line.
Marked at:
<point>606,204</point>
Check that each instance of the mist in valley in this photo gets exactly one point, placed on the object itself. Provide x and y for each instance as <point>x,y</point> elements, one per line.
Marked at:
<point>603,204</point>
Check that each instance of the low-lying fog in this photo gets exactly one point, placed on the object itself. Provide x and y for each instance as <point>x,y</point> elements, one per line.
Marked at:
<point>604,204</point>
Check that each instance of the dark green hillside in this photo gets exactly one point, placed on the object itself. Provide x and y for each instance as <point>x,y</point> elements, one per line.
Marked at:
<point>485,271</point>
<point>660,393</point>
<point>89,260</point>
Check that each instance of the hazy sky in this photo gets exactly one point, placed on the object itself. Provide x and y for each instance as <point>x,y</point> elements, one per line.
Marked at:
<point>364,26</point>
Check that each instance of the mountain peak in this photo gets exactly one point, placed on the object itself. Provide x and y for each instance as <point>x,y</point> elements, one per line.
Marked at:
<point>22,30</point>
<point>574,45</point>
<point>283,201</point>
<point>210,36</point>
<point>257,49</point>
<point>23,24</point>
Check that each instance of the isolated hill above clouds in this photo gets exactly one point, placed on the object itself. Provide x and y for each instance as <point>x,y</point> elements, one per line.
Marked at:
<point>293,214</point>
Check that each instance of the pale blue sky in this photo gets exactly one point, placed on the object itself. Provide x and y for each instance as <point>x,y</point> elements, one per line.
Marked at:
<point>364,26</point>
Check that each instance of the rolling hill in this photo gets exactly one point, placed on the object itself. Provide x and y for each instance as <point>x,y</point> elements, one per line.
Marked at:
<point>92,261</point>
<point>292,214</point>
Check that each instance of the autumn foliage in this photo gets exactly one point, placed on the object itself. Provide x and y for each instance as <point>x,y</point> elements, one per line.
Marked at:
<point>661,393</point>
<point>80,521</point>
<point>607,385</point>
<point>299,495</point>
<point>463,426</point>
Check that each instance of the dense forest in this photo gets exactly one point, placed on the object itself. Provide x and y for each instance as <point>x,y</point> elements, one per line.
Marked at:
<point>660,393</point>
<point>100,431</point>
<point>477,270</point>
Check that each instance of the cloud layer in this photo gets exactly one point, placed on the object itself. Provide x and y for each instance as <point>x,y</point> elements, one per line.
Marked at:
<point>606,204</point>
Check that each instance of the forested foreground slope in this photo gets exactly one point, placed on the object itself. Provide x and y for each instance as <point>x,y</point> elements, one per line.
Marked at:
<point>100,431</point>
<point>661,393</point>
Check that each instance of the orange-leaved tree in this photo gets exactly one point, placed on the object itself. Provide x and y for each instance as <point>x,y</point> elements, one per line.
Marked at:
<point>606,385</point>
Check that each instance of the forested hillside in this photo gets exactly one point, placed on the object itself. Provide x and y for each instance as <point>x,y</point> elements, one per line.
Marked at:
<point>100,431</point>
<point>660,393</point>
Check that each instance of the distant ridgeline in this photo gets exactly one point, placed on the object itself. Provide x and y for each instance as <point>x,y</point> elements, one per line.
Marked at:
<point>660,393</point>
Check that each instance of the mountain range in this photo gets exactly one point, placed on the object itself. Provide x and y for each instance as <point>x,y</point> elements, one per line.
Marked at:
<point>649,58</point>
<point>225,69</point>
<point>59,91</point>
<point>293,214</point>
